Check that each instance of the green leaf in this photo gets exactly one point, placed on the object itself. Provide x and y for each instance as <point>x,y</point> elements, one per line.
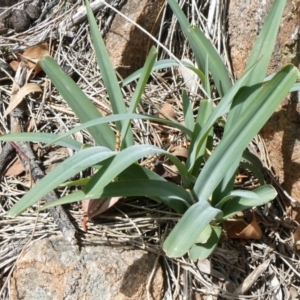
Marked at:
<point>189,228</point>
<point>253,163</point>
<point>78,101</point>
<point>202,251</point>
<point>222,108</point>
<point>70,167</point>
<point>172,195</point>
<point>237,194</point>
<point>108,74</point>
<point>187,112</point>
<point>123,160</point>
<point>203,48</point>
<point>204,235</point>
<point>159,65</point>
<point>42,138</point>
<point>231,146</point>
<point>123,117</point>
<point>295,87</point>
<point>204,112</point>
<point>265,194</point>
<point>136,98</point>
<point>264,44</point>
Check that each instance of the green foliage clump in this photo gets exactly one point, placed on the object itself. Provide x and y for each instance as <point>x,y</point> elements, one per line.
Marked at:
<point>205,198</point>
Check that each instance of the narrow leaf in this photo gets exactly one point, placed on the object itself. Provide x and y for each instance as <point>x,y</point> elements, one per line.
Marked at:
<point>189,227</point>
<point>64,171</point>
<point>136,98</point>
<point>42,138</point>
<point>265,194</point>
<point>202,251</point>
<point>126,116</point>
<point>123,160</point>
<point>78,101</point>
<point>108,74</point>
<point>246,128</point>
<point>172,195</point>
<point>203,48</point>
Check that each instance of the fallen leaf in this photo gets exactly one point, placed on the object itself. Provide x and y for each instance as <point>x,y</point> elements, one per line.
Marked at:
<point>180,151</point>
<point>16,168</point>
<point>190,77</point>
<point>167,111</point>
<point>239,229</point>
<point>20,95</point>
<point>34,55</point>
<point>14,64</point>
<point>93,208</point>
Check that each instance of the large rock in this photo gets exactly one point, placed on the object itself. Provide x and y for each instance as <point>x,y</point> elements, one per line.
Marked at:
<point>53,269</point>
<point>282,131</point>
<point>127,45</point>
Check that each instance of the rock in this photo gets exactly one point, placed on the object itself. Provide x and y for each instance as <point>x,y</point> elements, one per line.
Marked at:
<point>20,20</point>
<point>53,269</point>
<point>127,45</point>
<point>281,133</point>
<point>33,11</point>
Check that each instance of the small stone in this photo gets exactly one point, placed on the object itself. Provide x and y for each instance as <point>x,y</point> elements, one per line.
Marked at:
<point>20,20</point>
<point>33,11</point>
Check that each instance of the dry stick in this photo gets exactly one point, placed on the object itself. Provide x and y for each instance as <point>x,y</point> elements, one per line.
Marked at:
<point>16,118</point>
<point>6,155</point>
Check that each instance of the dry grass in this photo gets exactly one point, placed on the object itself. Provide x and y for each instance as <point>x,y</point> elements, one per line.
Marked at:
<point>139,222</point>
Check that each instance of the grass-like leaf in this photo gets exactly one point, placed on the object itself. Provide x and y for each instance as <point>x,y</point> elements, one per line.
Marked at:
<point>222,108</point>
<point>118,117</point>
<point>264,44</point>
<point>187,112</point>
<point>123,160</point>
<point>203,49</point>
<point>70,167</point>
<point>172,195</point>
<point>108,74</point>
<point>245,129</point>
<point>202,251</point>
<point>136,98</point>
<point>189,227</point>
<point>42,138</point>
<point>78,101</point>
<point>265,194</point>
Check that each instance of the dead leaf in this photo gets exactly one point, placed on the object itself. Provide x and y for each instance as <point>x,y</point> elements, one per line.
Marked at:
<point>93,208</point>
<point>34,55</point>
<point>180,151</point>
<point>239,229</point>
<point>19,96</point>
<point>14,64</point>
<point>15,169</point>
<point>167,111</point>
<point>190,77</point>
